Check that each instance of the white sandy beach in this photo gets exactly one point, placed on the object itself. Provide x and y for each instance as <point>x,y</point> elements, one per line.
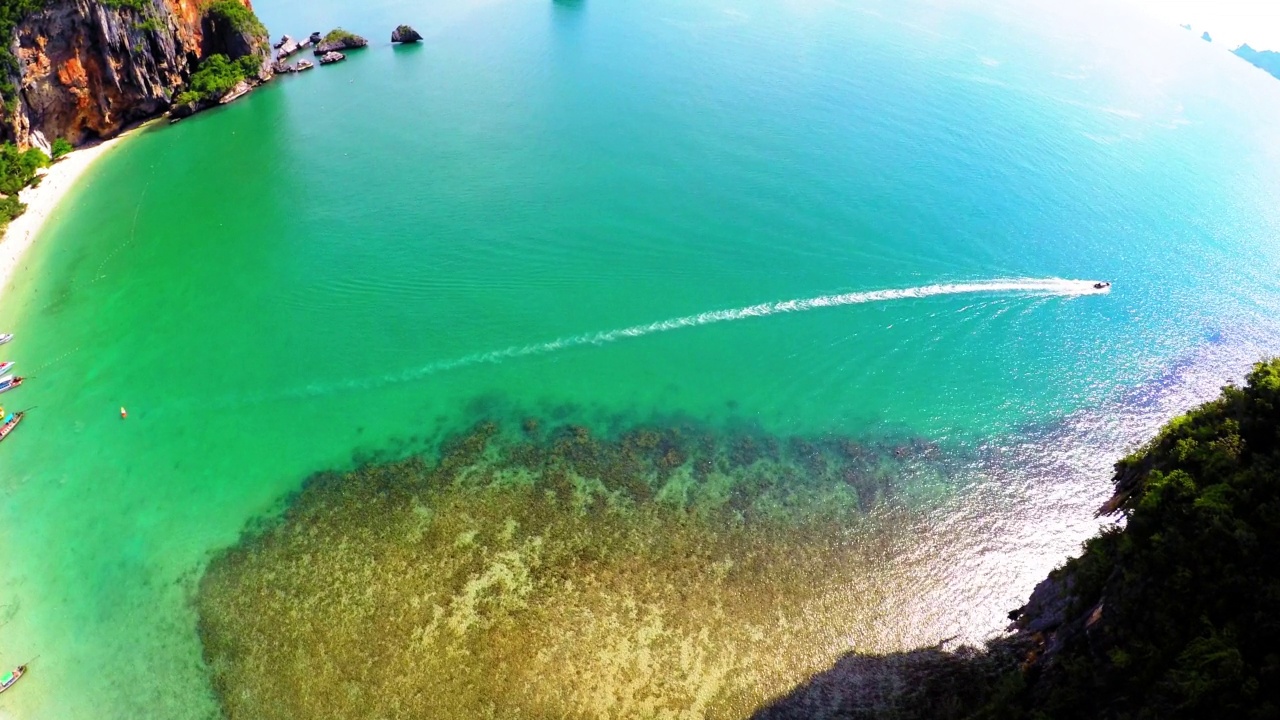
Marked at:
<point>42,201</point>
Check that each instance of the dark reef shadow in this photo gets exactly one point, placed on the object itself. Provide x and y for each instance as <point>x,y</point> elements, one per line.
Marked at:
<point>930,683</point>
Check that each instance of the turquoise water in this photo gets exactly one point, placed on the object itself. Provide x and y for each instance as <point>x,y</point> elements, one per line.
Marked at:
<point>352,258</point>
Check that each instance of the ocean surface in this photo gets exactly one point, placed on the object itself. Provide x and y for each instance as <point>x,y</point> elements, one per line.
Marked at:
<point>866,218</point>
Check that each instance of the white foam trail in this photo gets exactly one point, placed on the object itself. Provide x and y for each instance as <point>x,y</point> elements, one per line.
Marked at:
<point>1044,287</point>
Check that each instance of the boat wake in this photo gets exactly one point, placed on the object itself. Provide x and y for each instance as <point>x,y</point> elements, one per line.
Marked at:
<point>1035,287</point>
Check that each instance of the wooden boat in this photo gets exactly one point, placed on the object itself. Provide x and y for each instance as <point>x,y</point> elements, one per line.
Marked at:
<point>10,423</point>
<point>10,382</point>
<point>8,679</point>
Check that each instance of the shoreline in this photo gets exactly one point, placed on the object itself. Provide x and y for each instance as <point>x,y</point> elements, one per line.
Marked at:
<point>55,182</point>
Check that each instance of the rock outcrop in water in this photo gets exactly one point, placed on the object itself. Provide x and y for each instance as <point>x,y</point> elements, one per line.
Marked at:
<point>286,47</point>
<point>339,39</point>
<point>87,69</point>
<point>405,34</point>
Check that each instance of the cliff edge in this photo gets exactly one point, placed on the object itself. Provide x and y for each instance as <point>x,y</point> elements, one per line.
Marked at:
<point>86,69</point>
<point>1174,615</point>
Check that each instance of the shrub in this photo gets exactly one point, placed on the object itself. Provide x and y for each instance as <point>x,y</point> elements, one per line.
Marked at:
<point>338,35</point>
<point>12,12</point>
<point>18,168</point>
<point>61,147</point>
<point>216,76</point>
<point>10,208</point>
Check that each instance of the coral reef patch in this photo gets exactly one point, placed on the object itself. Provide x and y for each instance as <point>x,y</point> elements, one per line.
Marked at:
<point>542,570</point>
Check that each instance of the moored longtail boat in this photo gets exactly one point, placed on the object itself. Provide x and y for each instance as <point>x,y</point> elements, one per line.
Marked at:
<point>9,382</point>
<point>10,423</point>
<point>5,337</point>
<point>8,679</point>
<point>5,367</point>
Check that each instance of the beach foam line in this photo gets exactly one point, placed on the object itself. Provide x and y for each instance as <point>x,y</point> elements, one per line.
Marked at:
<point>1026,286</point>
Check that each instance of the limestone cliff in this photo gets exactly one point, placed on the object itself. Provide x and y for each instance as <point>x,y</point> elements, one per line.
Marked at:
<point>88,68</point>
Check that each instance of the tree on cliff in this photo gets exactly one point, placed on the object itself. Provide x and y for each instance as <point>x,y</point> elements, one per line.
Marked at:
<point>1177,615</point>
<point>1181,609</point>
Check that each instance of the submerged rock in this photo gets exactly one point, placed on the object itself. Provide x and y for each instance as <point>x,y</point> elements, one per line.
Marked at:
<point>339,39</point>
<point>332,57</point>
<point>519,568</point>
<point>405,34</point>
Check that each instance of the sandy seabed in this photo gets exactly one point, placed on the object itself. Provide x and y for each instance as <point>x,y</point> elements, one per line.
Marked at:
<point>41,202</point>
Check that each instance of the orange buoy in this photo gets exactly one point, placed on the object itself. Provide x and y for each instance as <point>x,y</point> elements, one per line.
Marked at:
<point>123,413</point>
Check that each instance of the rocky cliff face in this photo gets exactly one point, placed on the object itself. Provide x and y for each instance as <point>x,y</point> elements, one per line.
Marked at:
<point>89,68</point>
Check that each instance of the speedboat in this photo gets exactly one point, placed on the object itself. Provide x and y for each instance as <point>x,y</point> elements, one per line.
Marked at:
<point>5,367</point>
<point>8,679</point>
<point>9,382</point>
<point>10,423</point>
<point>1101,285</point>
<point>5,337</point>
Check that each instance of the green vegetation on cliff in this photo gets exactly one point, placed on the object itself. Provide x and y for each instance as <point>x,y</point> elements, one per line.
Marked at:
<point>12,12</point>
<point>237,15</point>
<point>1181,608</point>
<point>217,75</point>
<point>60,147</point>
<point>1177,615</point>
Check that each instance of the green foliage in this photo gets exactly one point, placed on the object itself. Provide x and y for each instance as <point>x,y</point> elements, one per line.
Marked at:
<point>18,168</point>
<point>10,208</point>
<point>17,171</point>
<point>149,24</point>
<point>237,15</point>
<point>1189,588</point>
<point>61,147</point>
<point>338,35</point>
<point>217,76</point>
<point>138,5</point>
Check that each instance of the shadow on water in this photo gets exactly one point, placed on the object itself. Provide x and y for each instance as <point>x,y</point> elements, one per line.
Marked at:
<point>407,49</point>
<point>925,684</point>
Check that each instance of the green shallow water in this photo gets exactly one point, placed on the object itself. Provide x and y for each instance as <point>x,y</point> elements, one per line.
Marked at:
<point>349,262</point>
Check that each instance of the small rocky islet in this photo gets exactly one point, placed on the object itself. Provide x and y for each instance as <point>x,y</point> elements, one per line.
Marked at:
<point>405,34</point>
